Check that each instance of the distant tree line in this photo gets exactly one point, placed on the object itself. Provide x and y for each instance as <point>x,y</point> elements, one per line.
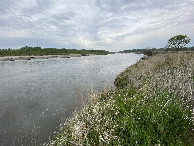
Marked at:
<point>157,49</point>
<point>141,50</point>
<point>180,49</point>
<point>48,51</point>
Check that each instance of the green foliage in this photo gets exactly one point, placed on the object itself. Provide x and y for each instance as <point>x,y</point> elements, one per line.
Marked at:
<point>126,118</point>
<point>47,51</point>
<point>155,50</point>
<point>149,122</point>
<point>148,52</point>
<point>178,42</point>
<point>137,50</point>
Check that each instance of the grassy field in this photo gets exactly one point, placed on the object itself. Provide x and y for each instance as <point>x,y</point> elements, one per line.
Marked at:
<point>152,105</point>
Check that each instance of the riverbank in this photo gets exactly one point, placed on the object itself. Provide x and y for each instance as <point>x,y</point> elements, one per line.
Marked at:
<point>13,58</point>
<point>25,51</point>
<point>152,105</point>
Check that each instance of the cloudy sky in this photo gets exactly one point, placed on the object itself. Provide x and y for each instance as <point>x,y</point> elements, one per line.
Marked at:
<point>94,24</point>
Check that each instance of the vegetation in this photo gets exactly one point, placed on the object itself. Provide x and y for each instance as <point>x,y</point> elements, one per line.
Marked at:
<point>152,105</point>
<point>148,52</point>
<point>178,42</point>
<point>157,50</point>
<point>133,51</point>
<point>48,51</point>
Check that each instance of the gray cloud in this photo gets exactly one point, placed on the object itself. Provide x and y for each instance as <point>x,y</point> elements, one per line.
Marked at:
<point>111,25</point>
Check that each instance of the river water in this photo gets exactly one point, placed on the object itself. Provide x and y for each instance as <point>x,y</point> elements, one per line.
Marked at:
<point>36,96</point>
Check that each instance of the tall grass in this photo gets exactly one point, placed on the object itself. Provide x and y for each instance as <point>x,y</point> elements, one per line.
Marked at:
<point>152,105</point>
<point>171,71</point>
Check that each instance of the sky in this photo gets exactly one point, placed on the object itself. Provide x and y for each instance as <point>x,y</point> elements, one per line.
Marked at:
<point>110,25</point>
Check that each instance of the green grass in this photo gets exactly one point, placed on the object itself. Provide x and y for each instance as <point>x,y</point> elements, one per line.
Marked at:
<point>152,105</point>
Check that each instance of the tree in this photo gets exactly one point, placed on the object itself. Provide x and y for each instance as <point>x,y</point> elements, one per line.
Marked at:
<point>178,42</point>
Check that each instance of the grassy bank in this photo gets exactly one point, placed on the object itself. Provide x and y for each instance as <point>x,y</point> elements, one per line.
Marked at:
<point>152,105</point>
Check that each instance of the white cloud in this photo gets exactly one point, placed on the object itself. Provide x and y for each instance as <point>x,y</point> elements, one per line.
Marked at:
<point>97,24</point>
<point>24,4</point>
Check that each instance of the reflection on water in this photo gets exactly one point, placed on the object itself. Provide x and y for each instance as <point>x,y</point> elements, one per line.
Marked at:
<point>37,95</point>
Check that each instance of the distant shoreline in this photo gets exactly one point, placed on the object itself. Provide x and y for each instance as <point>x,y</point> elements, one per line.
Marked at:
<point>13,58</point>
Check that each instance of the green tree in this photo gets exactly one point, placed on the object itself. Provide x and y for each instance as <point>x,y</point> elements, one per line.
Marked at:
<point>178,42</point>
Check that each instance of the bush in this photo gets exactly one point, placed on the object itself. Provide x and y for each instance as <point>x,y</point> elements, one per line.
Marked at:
<point>148,52</point>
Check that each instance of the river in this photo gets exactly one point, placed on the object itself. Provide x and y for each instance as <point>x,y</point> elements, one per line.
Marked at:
<point>36,96</point>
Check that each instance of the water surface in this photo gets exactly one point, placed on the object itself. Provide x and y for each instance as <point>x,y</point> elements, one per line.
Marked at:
<point>37,95</point>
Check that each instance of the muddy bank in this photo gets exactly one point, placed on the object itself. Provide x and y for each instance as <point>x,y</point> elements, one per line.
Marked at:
<point>13,58</point>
